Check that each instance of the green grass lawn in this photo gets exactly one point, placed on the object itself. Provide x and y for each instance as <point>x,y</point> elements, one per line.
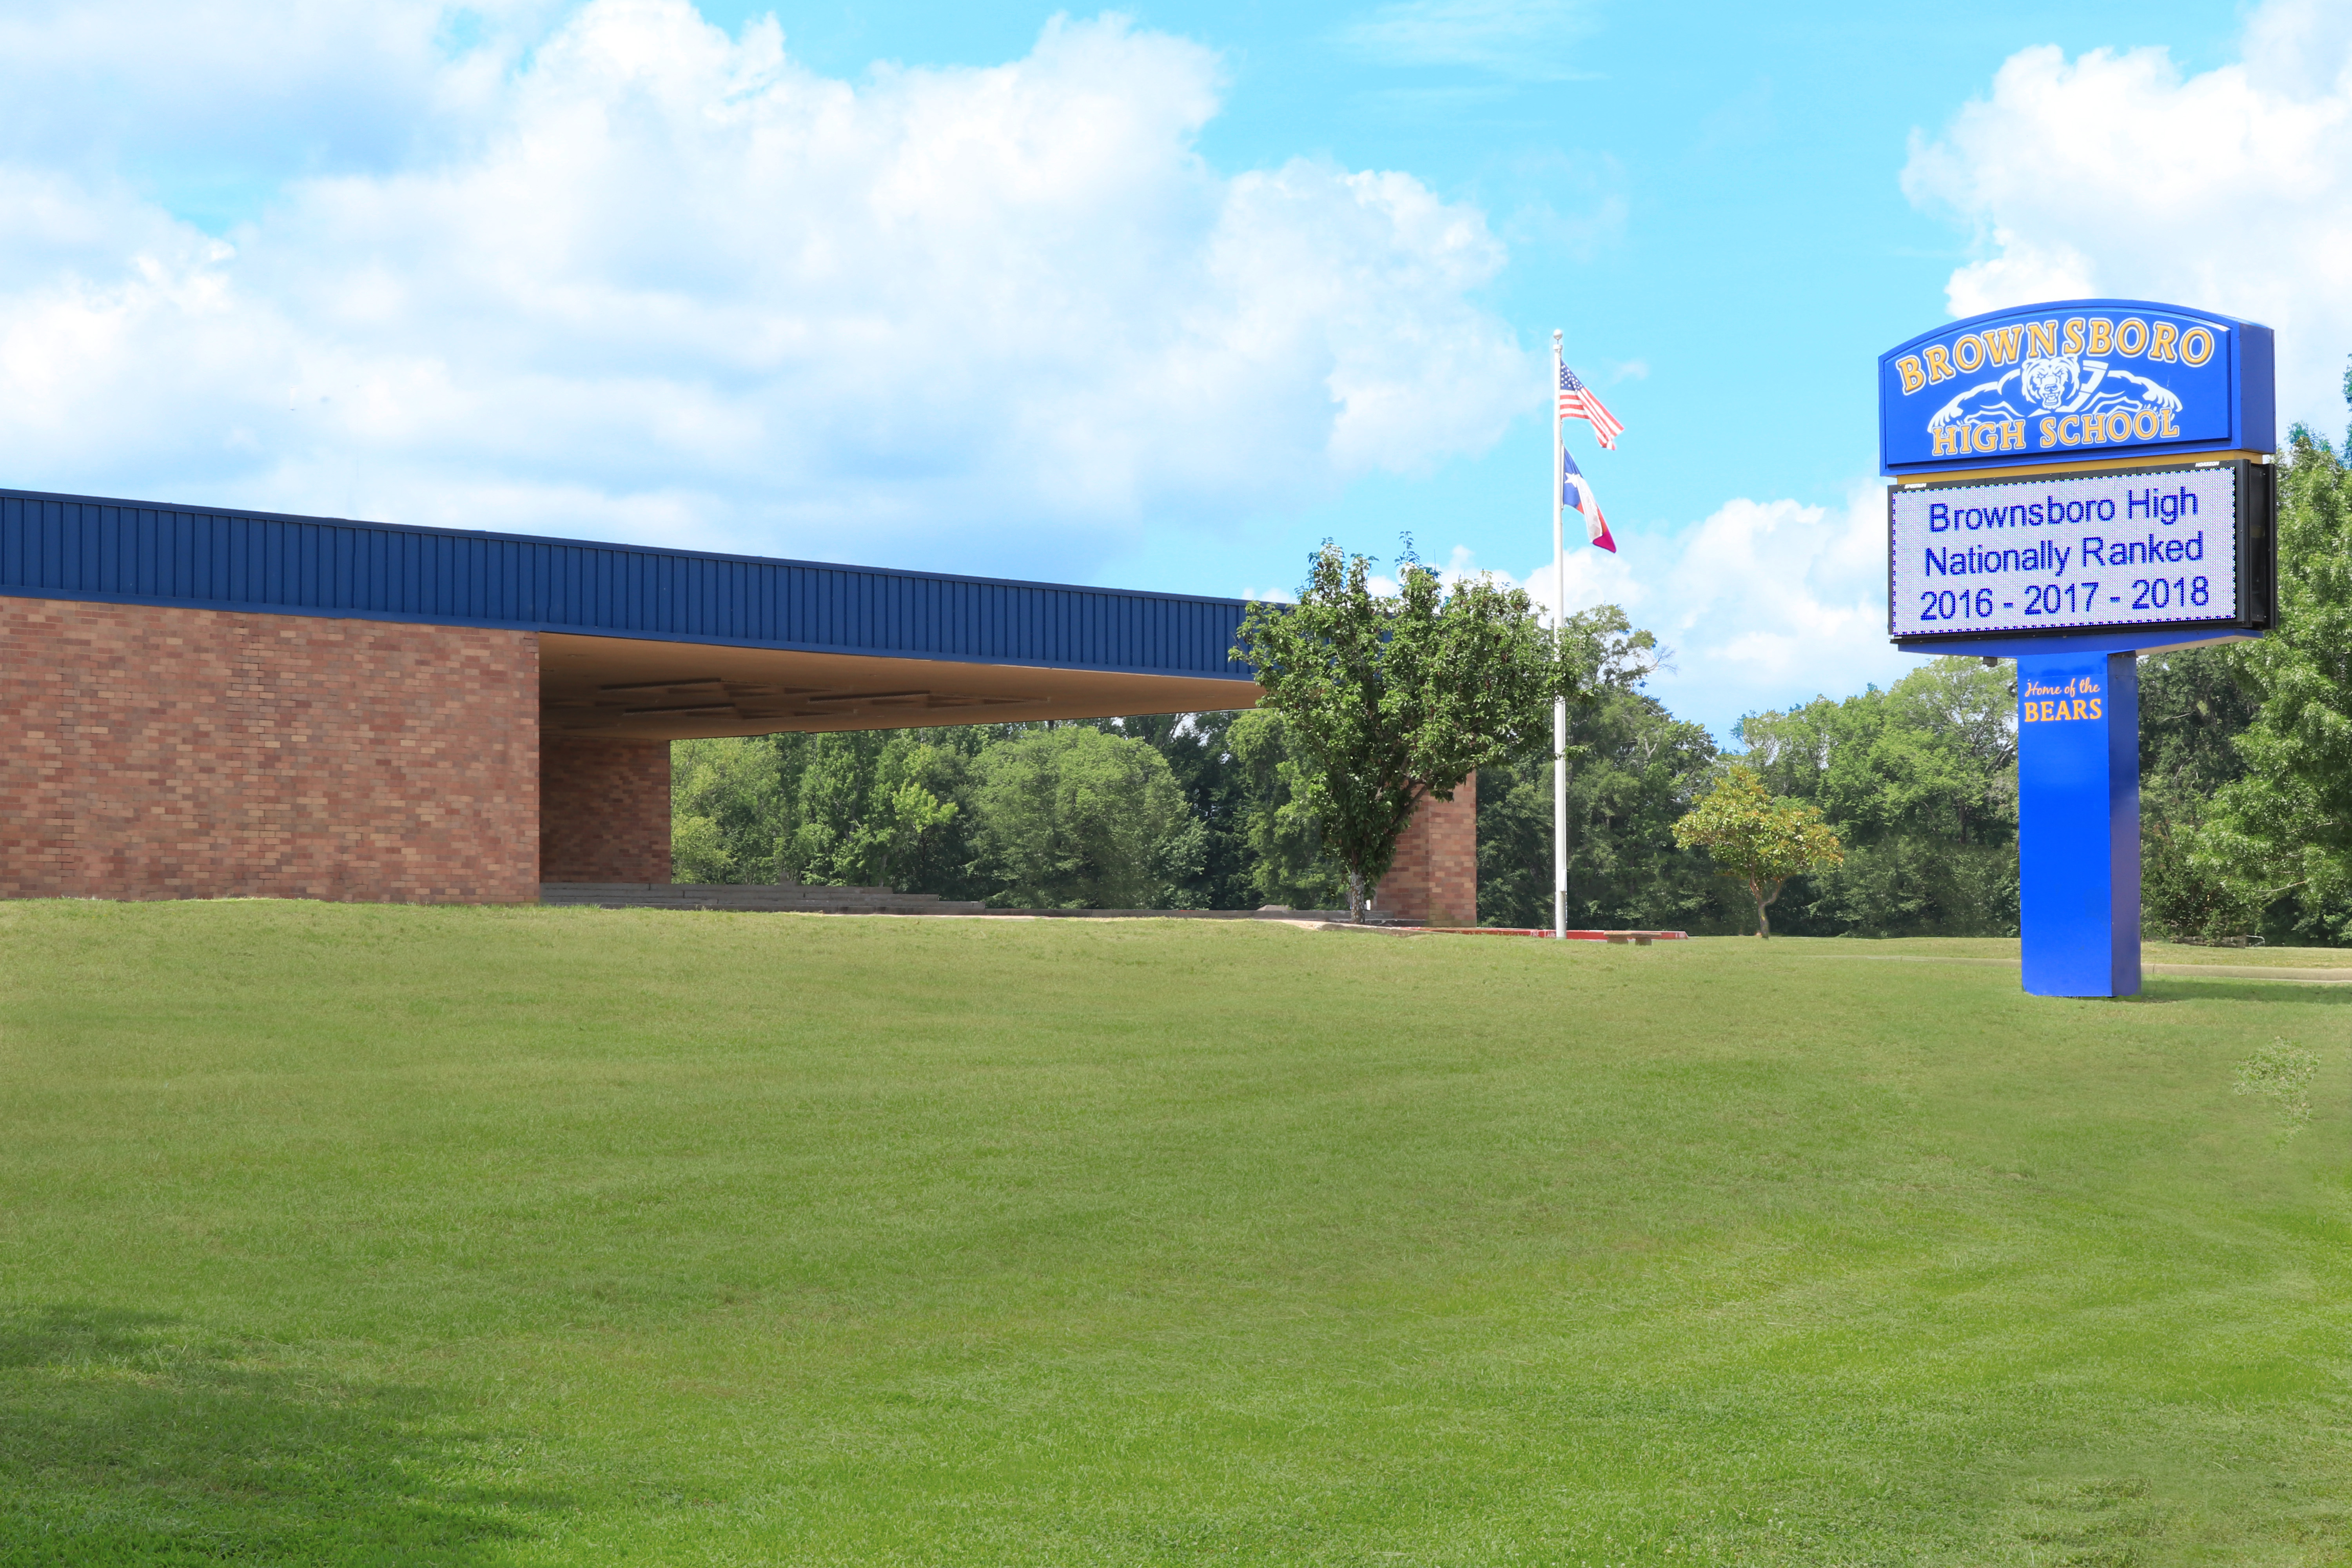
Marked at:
<point>470,1236</point>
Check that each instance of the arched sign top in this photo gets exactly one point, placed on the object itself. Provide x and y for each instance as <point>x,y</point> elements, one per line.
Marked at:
<point>2074,382</point>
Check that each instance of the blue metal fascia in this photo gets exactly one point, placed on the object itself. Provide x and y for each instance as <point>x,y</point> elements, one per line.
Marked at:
<point>124,551</point>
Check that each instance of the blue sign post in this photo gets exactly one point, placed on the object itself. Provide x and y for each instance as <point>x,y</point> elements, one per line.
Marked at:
<point>2078,821</point>
<point>2077,483</point>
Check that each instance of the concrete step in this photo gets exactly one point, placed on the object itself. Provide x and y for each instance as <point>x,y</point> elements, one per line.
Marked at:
<point>750,897</point>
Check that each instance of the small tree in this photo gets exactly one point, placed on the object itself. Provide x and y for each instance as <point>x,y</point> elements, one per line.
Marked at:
<point>1398,699</point>
<point>1756,838</point>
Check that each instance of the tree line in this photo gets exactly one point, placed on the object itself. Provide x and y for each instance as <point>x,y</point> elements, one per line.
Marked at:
<point>2245,759</point>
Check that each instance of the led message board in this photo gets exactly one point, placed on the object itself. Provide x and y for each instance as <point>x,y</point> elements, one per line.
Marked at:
<point>2161,548</point>
<point>2074,382</point>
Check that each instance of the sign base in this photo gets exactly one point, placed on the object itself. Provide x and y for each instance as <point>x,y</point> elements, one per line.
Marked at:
<point>2078,821</point>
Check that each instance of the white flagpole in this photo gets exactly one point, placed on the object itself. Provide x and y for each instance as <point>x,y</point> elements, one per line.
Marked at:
<point>1559,704</point>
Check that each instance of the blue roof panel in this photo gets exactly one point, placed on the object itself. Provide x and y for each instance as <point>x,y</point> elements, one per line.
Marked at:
<point>87,547</point>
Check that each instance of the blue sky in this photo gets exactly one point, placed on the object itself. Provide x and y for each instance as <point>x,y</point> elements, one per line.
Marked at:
<point>1157,299</point>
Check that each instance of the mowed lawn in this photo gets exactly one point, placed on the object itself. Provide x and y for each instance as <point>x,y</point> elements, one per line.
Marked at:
<point>380,1235</point>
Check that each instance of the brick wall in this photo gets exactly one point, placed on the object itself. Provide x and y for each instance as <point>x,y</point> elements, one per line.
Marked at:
<point>1435,877</point>
<point>151,752</point>
<point>603,810</point>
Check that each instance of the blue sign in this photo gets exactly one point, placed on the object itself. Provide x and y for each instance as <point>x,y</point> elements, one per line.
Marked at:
<point>2073,382</point>
<point>2078,823</point>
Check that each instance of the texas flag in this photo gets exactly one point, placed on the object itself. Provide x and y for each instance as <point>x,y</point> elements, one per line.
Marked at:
<point>1576,491</point>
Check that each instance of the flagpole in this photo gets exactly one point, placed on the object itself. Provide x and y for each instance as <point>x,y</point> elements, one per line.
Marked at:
<point>1558,632</point>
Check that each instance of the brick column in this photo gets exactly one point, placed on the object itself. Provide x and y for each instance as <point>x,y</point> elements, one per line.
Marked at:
<point>603,810</point>
<point>151,752</point>
<point>1435,877</point>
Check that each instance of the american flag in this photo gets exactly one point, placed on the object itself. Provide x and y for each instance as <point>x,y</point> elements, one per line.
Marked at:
<point>1576,491</point>
<point>1577,402</point>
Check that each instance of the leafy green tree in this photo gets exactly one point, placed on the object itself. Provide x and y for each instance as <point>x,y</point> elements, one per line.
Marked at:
<point>1758,839</point>
<point>2193,706</point>
<point>1200,756</point>
<point>2179,895</point>
<point>832,780</point>
<point>1396,699</point>
<point>725,797</point>
<point>1280,828</point>
<point>2283,831</point>
<point>863,806</point>
<point>698,852</point>
<point>1935,754</point>
<point>858,808</point>
<point>1633,769</point>
<point>1072,818</point>
<point>1920,782</point>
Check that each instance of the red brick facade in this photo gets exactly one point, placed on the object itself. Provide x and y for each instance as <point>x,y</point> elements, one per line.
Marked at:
<point>603,810</point>
<point>1435,877</point>
<point>151,752</point>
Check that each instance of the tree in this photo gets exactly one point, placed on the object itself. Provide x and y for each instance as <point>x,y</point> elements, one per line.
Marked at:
<point>1919,780</point>
<point>2285,827</point>
<point>1756,838</point>
<point>862,805</point>
<point>2193,706</point>
<point>1283,836</point>
<point>1072,818</point>
<point>1397,699</point>
<point>725,799</point>
<point>1633,769</point>
<point>1207,765</point>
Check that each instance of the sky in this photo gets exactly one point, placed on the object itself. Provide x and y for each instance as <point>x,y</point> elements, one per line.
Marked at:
<point>1158,298</point>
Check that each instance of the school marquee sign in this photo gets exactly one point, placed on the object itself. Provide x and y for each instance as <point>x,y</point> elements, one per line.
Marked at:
<point>2076,483</point>
<point>2057,384</point>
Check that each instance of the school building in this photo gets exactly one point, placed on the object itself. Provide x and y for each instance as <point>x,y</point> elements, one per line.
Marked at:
<point>198,702</point>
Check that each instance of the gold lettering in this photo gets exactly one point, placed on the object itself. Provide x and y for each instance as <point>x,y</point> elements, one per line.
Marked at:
<point>2131,338</point>
<point>2164,425</point>
<point>1938,367</point>
<point>1948,441</point>
<point>2103,334</point>
<point>2049,433</point>
<point>2095,706</point>
<point>2160,343</point>
<point>1914,378</point>
<point>2069,430</point>
<point>2196,346</point>
<point>2074,335</point>
<point>1969,352</point>
<point>2042,339</point>
<point>2013,435</point>
<point>2001,344</point>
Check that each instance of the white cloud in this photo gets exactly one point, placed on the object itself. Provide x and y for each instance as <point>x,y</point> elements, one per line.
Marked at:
<point>649,280</point>
<point>223,86</point>
<point>2116,173</point>
<point>1762,603</point>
